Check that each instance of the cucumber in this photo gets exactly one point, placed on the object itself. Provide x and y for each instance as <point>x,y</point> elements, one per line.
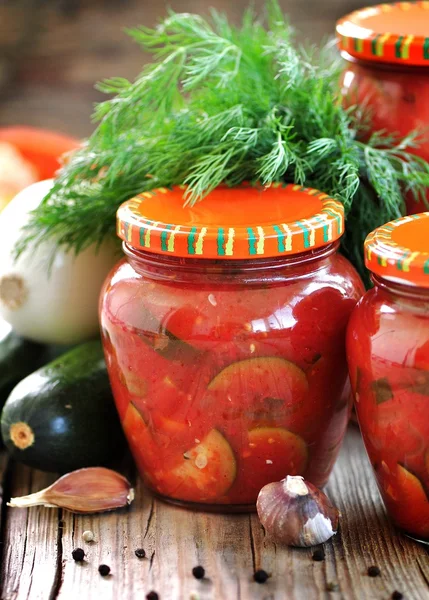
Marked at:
<point>62,417</point>
<point>18,358</point>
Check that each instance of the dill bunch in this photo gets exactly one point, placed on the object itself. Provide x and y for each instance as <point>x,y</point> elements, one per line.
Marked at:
<point>220,103</point>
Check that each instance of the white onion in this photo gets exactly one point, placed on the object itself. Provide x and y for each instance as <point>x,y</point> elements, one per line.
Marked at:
<point>57,307</point>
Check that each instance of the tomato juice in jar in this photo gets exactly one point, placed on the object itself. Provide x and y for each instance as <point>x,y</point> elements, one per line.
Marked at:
<point>224,334</point>
<point>387,52</point>
<point>388,354</point>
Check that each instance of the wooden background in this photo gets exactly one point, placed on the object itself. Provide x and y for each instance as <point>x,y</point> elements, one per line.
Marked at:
<point>52,51</point>
<point>37,544</point>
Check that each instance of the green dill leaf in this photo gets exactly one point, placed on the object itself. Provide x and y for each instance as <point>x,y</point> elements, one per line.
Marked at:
<point>221,103</point>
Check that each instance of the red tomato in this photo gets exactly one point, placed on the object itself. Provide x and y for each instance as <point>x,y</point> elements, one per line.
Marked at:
<point>205,317</point>
<point>42,148</point>
<point>205,472</point>
<point>269,454</point>
<point>142,445</point>
<point>407,502</point>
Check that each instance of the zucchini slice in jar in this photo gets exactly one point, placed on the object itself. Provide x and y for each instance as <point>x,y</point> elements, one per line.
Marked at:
<point>258,391</point>
<point>271,454</point>
<point>205,472</point>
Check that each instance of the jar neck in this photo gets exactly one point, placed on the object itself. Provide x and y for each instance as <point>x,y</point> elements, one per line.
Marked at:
<point>381,66</point>
<point>401,290</point>
<point>160,266</point>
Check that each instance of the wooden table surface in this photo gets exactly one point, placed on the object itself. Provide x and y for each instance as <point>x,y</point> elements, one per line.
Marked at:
<point>37,544</point>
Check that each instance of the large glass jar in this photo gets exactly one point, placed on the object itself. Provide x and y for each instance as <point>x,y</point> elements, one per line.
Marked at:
<point>224,333</point>
<point>388,354</point>
<point>387,52</point>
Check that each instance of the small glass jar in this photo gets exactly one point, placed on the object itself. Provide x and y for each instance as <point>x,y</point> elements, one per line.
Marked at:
<point>387,52</point>
<point>224,334</point>
<point>388,355</point>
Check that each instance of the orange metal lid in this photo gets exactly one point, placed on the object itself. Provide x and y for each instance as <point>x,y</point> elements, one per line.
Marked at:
<point>232,223</point>
<point>399,250</point>
<point>390,33</point>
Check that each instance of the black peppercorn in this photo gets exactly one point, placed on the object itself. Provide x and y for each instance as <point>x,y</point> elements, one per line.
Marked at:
<point>140,553</point>
<point>333,587</point>
<point>198,572</point>
<point>78,554</point>
<point>260,576</point>
<point>319,554</point>
<point>104,570</point>
<point>373,571</point>
<point>397,595</point>
<point>152,596</point>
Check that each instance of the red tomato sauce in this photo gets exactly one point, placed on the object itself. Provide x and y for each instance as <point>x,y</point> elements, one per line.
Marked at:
<point>388,353</point>
<point>229,376</point>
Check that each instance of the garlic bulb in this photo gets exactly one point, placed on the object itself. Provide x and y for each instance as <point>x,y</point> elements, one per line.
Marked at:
<point>296,513</point>
<point>57,307</point>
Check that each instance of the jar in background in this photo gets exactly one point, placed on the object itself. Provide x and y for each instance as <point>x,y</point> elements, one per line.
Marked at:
<point>224,334</point>
<point>387,52</point>
<point>388,354</point>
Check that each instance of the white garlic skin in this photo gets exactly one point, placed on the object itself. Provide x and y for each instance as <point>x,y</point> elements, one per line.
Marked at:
<point>296,513</point>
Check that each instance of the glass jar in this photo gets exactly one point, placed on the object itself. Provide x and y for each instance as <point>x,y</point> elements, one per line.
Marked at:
<point>387,54</point>
<point>388,354</point>
<point>224,334</point>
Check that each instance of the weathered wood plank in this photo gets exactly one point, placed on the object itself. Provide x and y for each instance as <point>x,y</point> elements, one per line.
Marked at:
<point>31,543</point>
<point>230,547</point>
<point>4,472</point>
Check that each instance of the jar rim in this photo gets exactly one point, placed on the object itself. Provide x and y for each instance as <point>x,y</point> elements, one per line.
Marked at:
<point>238,223</point>
<point>400,288</point>
<point>387,33</point>
<point>399,251</point>
<point>410,70</point>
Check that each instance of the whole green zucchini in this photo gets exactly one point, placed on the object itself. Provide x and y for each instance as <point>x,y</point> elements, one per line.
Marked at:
<point>62,417</point>
<point>18,358</point>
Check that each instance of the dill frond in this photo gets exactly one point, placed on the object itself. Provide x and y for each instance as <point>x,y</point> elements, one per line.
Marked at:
<point>221,103</point>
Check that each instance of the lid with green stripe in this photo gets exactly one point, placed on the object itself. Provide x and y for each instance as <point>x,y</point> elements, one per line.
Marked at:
<point>232,223</point>
<point>390,33</point>
<point>399,250</point>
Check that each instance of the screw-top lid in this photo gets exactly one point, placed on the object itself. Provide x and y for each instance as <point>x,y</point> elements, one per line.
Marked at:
<point>232,223</point>
<point>390,33</point>
<point>399,250</point>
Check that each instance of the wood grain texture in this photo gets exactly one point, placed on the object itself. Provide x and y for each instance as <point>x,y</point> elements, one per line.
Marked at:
<point>50,60</point>
<point>31,542</point>
<point>37,561</point>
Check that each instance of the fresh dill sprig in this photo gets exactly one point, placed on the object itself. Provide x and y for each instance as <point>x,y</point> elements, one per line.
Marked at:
<point>224,104</point>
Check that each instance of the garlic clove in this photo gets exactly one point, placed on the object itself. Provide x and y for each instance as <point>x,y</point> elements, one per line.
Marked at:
<point>295,512</point>
<point>90,490</point>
